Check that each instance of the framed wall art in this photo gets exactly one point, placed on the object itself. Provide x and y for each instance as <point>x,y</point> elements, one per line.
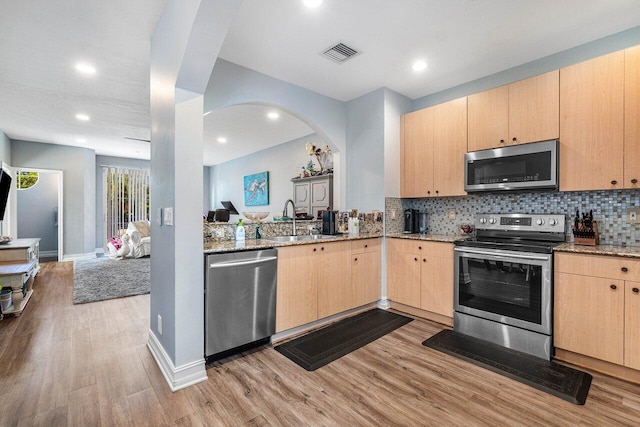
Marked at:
<point>256,189</point>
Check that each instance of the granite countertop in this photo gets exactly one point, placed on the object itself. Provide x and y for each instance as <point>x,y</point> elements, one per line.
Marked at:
<point>611,250</point>
<point>253,244</point>
<point>446,238</point>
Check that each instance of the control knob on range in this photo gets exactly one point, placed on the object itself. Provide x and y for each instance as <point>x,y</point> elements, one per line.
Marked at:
<point>540,221</point>
<point>482,220</point>
<point>492,220</point>
<point>552,222</point>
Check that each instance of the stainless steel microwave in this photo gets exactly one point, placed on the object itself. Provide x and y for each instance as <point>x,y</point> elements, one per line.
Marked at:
<point>515,167</point>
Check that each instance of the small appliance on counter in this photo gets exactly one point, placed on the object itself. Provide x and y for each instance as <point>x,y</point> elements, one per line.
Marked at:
<point>410,221</point>
<point>423,222</point>
<point>415,221</point>
<point>329,222</point>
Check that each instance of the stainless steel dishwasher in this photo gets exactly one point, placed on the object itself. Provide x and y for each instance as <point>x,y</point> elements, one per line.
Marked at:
<point>240,299</point>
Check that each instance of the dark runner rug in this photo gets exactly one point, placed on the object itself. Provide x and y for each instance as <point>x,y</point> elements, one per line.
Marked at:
<point>314,350</point>
<point>561,381</point>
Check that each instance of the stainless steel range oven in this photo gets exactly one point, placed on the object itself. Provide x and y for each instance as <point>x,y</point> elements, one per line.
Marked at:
<point>504,281</point>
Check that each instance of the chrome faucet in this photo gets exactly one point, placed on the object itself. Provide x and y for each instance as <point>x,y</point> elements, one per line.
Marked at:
<point>284,213</point>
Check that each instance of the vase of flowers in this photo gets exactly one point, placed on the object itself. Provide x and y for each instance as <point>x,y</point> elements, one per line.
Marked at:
<point>324,157</point>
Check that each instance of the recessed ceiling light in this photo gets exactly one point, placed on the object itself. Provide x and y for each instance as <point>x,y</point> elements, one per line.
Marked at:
<point>312,3</point>
<point>82,117</point>
<point>222,140</point>
<point>81,140</point>
<point>273,115</point>
<point>85,68</point>
<point>419,65</point>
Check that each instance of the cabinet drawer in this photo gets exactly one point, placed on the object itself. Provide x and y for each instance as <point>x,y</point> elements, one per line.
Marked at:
<point>610,267</point>
<point>365,246</point>
<point>422,247</point>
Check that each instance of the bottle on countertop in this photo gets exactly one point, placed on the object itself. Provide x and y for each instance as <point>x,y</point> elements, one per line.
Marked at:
<point>240,230</point>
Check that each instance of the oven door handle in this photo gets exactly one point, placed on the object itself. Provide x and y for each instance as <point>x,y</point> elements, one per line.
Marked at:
<point>506,254</point>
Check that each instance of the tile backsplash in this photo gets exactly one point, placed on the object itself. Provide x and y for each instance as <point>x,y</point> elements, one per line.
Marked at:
<point>609,210</point>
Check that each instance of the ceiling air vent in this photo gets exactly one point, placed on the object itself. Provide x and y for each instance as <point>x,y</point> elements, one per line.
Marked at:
<point>340,53</point>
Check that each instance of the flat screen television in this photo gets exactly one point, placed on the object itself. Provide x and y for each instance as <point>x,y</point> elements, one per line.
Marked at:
<point>5,187</point>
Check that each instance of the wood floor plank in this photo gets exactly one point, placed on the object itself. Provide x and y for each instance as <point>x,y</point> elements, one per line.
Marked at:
<point>88,364</point>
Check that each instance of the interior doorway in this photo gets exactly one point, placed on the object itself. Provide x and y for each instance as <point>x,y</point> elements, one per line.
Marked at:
<point>39,209</point>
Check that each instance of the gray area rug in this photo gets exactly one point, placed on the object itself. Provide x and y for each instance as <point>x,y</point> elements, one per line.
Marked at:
<point>97,279</point>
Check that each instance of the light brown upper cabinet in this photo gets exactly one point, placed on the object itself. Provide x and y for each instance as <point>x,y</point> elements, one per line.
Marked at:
<point>524,111</point>
<point>433,143</point>
<point>632,117</point>
<point>416,151</point>
<point>592,124</point>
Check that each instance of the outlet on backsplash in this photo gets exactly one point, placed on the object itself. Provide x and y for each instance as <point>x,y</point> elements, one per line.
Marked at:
<point>452,214</point>
<point>633,215</point>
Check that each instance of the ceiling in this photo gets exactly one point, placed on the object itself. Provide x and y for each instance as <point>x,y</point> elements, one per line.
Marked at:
<point>461,40</point>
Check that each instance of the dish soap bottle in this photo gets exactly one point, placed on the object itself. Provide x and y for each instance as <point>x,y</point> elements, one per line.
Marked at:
<point>240,230</point>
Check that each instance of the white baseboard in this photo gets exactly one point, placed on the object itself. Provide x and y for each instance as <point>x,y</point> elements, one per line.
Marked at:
<point>384,303</point>
<point>47,254</point>
<point>74,257</point>
<point>180,377</point>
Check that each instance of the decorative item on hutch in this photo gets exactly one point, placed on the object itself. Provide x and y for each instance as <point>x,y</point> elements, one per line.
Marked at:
<point>324,157</point>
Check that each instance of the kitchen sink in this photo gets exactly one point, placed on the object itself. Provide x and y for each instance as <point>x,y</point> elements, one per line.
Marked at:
<point>301,238</point>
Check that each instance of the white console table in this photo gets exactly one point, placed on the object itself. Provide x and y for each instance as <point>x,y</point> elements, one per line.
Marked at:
<point>19,264</point>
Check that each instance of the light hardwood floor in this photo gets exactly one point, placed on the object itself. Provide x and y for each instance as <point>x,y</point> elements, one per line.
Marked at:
<point>88,365</point>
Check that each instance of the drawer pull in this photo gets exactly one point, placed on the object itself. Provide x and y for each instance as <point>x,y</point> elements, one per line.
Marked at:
<point>614,287</point>
<point>322,248</point>
<point>415,259</point>
<point>366,246</point>
<point>624,269</point>
<point>635,290</point>
<point>424,260</point>
<point>420,248</point>
<point>355,259</point>
<point>314,249</point>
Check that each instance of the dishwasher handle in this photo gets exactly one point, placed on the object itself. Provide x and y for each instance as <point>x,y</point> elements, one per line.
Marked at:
<point>240,263</point>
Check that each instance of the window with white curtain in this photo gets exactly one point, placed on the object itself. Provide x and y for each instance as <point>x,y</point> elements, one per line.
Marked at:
<point>126,198</point>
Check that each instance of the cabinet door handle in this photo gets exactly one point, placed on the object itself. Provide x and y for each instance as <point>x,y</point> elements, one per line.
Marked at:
<point>502,141</point>
<point>366,246</point>
<point>428,192</point>
<point>514,139</point>
<point>614,287</point>
<point>614,182</point>
<point>322,248</point>
<point>624,269</point>
<point>437,192</point>
<point>415,259</point>
<point>634,181</point>
<point>424,260</point>
<point>635,290</point>
<point>314,249</point>
<point>420,248</point>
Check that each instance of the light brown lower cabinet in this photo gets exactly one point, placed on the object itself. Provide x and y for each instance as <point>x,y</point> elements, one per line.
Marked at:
<point>597,307</point>
<point>323,279</point>
<point>420,274</point>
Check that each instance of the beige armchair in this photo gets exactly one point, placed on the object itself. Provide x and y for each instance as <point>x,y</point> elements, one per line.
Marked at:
<point>139,238</point>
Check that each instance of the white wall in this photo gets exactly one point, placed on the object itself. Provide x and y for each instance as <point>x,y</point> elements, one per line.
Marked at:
<point>365,152</point>
<point>283,162</point>
<point>231,84</point>
<point>37,206</point>
<point>78,165</point>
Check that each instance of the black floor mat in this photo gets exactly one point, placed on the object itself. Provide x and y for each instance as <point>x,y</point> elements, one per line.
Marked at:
<point>314,350</point>
<point>559,380</point>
